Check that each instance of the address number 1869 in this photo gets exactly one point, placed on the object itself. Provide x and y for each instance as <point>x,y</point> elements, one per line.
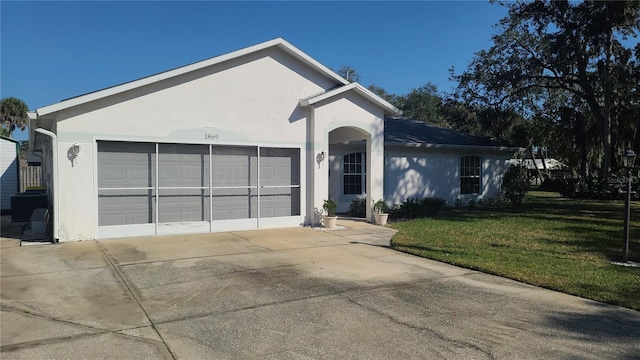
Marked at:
<point>210,136</point>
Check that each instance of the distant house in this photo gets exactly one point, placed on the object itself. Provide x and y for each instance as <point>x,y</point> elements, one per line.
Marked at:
<point>256,138</point>
<point>9,166</point>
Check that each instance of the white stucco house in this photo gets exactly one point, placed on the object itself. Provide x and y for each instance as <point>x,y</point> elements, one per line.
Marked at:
<point>256,138</point>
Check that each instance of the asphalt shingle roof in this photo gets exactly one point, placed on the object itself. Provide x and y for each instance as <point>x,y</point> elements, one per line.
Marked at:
<point>406,131</point>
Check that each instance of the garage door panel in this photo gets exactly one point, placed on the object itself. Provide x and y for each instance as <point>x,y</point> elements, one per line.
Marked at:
<point>183,205</point>
<point>279,166</point>
<point>234,166</point>
<point>231,204</point>
<point>183,165</point>
<point>185,200</point>
<point>123,207</point>
<point>123,164</point>
<point>279,202</point>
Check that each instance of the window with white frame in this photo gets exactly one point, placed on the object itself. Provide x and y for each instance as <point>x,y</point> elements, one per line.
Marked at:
<point>355,173</point>
<point>469,175</point>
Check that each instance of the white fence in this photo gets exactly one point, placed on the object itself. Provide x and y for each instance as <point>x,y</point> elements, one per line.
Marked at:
<point>30,176</point>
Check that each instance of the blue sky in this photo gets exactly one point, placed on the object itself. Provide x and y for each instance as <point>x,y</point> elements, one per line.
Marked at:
<point>56,50</point>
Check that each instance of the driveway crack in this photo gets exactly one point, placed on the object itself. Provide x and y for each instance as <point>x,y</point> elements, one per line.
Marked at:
<point>129,288</point>
<point>420,329</point>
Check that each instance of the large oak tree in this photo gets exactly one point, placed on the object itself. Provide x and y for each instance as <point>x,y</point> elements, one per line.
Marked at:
<point>580,50</point>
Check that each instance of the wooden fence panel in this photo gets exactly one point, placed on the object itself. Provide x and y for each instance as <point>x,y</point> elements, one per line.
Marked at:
<point>30,176</point>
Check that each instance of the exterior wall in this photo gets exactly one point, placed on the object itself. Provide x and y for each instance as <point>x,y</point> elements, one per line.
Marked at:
<point>420,172</point>
<point>9,172</point>
<point>249,100</point>
<point>351,111</point>
<point>432,172</point>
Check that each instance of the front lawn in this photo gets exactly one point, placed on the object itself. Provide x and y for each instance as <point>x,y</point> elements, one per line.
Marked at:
<point>549,241</point>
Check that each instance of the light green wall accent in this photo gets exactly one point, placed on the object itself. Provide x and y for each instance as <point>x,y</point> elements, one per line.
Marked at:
<point>199,136</point>
<point>213,135</point>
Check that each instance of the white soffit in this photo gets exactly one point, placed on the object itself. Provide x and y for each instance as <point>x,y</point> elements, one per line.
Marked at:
<point>279,42</point>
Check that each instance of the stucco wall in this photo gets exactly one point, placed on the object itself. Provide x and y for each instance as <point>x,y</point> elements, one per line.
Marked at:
<point>432,172</point>
<point>420,172</point>
<point>351,111</point>
<point>249,100</point>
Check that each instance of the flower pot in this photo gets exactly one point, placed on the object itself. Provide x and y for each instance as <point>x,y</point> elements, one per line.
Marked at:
<point>381,218</point>
<point>329,221</point>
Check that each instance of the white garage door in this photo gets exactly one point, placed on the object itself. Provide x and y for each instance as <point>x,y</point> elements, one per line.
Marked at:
<point>149,188</point>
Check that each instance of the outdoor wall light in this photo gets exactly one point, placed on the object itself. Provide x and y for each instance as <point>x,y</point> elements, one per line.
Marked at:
<point>75,149</point>
<point>320,158</point>
<point>628,160</point>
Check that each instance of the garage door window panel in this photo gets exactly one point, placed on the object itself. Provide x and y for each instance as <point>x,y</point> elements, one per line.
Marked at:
<point>279,182</point>
<point>126,183</point>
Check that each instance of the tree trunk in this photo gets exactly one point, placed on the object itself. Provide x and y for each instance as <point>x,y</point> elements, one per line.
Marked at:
<point>533,158</point>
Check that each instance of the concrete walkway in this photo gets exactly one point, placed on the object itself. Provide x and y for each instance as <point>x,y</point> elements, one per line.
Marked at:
<point>296,293</point>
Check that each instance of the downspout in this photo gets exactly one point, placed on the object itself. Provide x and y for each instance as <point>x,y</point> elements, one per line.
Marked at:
<point>54,179</point>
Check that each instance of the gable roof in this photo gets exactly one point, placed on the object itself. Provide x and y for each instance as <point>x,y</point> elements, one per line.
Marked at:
<point>402,131</point>
<point>279,43</point>
<point>357,88</point>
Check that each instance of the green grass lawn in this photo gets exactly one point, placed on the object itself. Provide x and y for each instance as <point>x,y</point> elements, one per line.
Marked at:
<point>549,241</point>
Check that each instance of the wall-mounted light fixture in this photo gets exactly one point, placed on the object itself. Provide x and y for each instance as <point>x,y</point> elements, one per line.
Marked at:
<point>320,158</point>
<point>75,149</point>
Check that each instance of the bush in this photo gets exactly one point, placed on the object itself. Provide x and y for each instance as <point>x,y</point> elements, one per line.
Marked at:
<point>414,208</point>
<point>329,207</point>
<point>380,207</point>
<point>515,184</point>
<point>553,185</point>
<point>592,187</point>
<point>358,207</point>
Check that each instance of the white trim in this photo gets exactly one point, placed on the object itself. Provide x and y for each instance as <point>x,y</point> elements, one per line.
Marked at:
<point>232,225</point>
<point>278,42</point>
<point>185,227</point>
<point>120,231</point>
<point>364,92</point>
<point>283,221</point>
<point>449,146</point>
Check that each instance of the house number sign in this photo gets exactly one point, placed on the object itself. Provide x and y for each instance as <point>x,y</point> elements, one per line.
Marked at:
<point>211,136</point>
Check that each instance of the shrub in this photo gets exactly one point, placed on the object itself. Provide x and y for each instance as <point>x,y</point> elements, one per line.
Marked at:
<point>380,207</point>
<point>553,185</point>
<point>414,208</point>
<point>515,183</point>
<point>358,207</point>
<point>329,207</point>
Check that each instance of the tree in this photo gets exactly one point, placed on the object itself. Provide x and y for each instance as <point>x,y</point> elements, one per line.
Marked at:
<point>393,99</point>
<point>423,104</point>
<point>575,48</point>
<point>13,113</point>
<point>349,73</point>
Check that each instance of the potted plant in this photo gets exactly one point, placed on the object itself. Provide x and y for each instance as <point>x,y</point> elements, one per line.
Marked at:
<point>380,213</point>
<point>329,219</point>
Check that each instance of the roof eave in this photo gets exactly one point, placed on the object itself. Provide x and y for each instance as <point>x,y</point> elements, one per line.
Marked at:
<point>454,146</point>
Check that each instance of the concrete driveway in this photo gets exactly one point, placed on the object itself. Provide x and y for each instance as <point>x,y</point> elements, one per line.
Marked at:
<point>295,293</point>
